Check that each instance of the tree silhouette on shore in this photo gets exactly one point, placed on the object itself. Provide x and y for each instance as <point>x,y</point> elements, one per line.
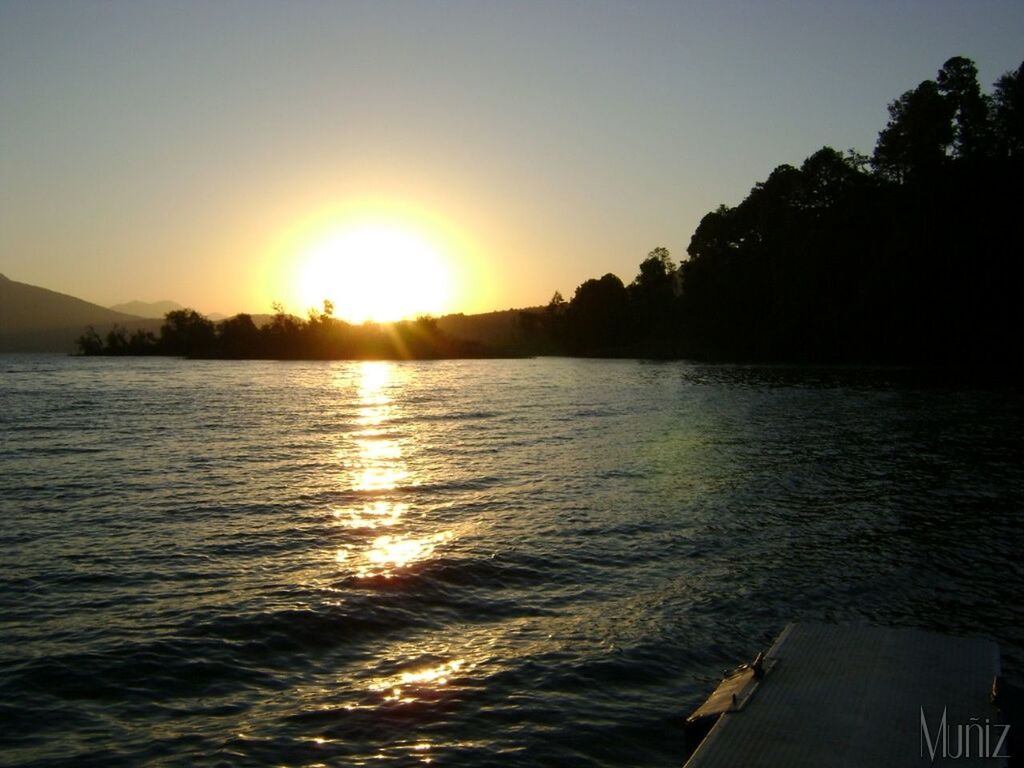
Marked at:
<point>186,333</point>
<point>911,255</point>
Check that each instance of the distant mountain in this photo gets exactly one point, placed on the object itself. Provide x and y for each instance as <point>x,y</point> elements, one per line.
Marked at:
<point>34,319</point>
<point>155,309</point>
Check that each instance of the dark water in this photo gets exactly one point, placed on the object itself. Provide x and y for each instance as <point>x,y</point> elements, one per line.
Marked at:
<point>503,563</point>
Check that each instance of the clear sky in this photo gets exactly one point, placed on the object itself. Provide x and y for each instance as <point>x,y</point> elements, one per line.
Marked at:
<point>201,151</point>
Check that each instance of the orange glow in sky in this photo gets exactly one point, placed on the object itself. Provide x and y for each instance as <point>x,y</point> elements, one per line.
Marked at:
<point>525,147</point>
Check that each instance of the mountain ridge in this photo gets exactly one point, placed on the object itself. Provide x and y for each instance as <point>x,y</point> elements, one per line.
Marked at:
<point>37,319</point>
<point>149,309</point>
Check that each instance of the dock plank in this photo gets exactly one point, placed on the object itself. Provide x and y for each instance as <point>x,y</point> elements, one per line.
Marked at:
<point>853,696</point>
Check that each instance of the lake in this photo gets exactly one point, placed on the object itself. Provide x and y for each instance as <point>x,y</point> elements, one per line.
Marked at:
<point>488,563</point>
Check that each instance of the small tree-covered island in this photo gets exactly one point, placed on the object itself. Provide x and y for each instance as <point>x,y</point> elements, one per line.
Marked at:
<point>911,255</point>
<point>187,333</point>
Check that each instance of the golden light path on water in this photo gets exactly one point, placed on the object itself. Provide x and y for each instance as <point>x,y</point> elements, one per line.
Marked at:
<point>394,537</point>
<point>570,545</point>
<point>379,468</point>
<point>383,545</point>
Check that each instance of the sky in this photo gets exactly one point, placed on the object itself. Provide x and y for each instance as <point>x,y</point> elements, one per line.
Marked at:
<point>201,152</point>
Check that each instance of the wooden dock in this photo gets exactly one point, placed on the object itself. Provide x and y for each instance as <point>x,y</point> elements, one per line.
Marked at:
<point>827,695</point>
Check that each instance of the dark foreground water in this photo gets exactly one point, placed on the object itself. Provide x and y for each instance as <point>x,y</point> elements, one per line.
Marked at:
<point>494,563</point>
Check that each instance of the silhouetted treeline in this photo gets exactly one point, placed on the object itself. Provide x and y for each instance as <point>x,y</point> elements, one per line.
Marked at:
<point>910,255</point>
<point>187,333</point>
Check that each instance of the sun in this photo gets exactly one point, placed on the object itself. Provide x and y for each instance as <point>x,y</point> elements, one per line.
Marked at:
<point>375,272</point>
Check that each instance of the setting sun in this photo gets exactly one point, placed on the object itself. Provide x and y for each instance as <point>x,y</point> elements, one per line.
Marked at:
<point>375,272</point>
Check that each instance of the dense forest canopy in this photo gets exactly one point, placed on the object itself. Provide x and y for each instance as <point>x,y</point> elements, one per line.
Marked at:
<point>909,255</point>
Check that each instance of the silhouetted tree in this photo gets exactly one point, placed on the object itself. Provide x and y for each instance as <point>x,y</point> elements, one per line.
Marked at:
<point>282,335</point>
<point>713,236</point>
<point>829,177</point>
<point>1008,103</point>
<point>918,136</point>
<point>598,316</point>
<point>186,332</point>
<point>557,304</point>
<point>911,263</point>
<point>117,341</point>
<point>972,134</point>
<point>238,337</point>
<point>652,295</point>
<point>90,343</point>
<point>554,324</point>
<point>141,342</point>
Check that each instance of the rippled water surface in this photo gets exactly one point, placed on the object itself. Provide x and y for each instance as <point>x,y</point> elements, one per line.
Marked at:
<point>494,563</point>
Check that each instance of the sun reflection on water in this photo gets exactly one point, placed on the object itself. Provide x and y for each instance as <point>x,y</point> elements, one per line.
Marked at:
<point>379,478</point>
<point>374,376</point>
<point>406,687</point>
<point>379,463</point>
<point>379,471</point>
<point>387,555</point>
<point>379,450</point>
<point>376,514</point>
<point>390,553</point>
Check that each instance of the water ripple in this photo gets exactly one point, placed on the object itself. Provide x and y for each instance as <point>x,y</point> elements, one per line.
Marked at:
<point>489,563</point>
